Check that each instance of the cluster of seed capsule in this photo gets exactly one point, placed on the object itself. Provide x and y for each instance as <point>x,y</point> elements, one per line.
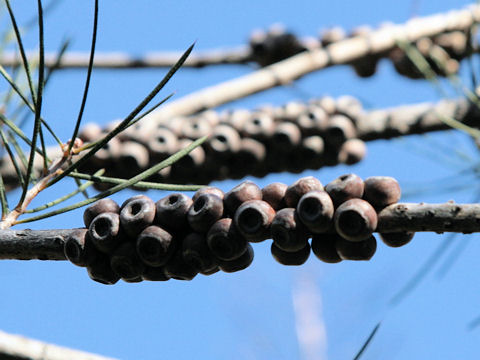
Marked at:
<point>443,52</point>
<point>294,137</point>
<point>178,236</point>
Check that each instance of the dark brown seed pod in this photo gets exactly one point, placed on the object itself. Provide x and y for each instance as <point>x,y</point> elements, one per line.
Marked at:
<point>155,274</point>
<point>99,269</point>
<point>381,191</point>
<point>99,207</point>
<point>211,272</point>
<point>299,188</point>
<point>249,158</point>
<point>188,164</point>
<point>162,143</point>
<point>290,258</point>
<point>274,194</point>
<point>126,263</point>
<point>105,232</point>
<point>352,151</point>
<point>224,140</point>
<point>196,128</point>
<point>239,263</point>
<point>312,152</point>
<point>155,246</point>
<point>132,159</point>
<point>253,219</point>
<point>313,121</point>
<point>196,253</point>
<point>287,231</point>
<point>397,239</point>
<point>136,214</point>
<point>360,250</point>
<point>134,280</point>
<point>259,126</point>
<point>90,132</point>
<point>324,247</point>
<point>355,220</point>
<point>172,211</point>
<point>340,128</point>
<point>345,187</point>
<point>107,155</point>
<point>224,241</point>
<point>177,268</point>
<point>244,191</point>
<point>334,34</point>
<point>286,136</point>
<point>315,209</point>
<point>78,247</point>
<point>208,190</point>
<point>204,212</point>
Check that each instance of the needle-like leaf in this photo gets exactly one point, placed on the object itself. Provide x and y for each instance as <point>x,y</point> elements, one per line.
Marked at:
<point>38,104</point>
<point>369,339</point>
<point>87,82</point>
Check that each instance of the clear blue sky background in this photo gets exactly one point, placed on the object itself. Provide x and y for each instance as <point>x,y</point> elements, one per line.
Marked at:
<point>251,314</point>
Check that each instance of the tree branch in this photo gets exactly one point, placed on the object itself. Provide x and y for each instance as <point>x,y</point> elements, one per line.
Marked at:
<point>119,60</point>
<point>421,217</point>
<point>341,52</point>
<point>15,347</point>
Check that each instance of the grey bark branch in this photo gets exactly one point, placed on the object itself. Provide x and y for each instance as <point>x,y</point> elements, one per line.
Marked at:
<point>15,347</point>
<point>119,60</point>
<point>447,217</point>
<point>341,52</point>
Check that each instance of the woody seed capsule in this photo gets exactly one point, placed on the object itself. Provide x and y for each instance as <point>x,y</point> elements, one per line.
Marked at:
<point>355,220</point>
<point>155,246</point>
<point>98,207</point>
<point>105,232</point>
<point>274,194</point>
<point>132,158</point>
<point>224,241</point>
<point>315,210</point>
<point>299,188</point>
<point>345,187</point>
<point>208,190</point>
<point>352,151</point>
<point>239,263</point>
<point>288,232</point>
<point>99,269</point>
<point>360,250</point>
<point>77,247</point>
<point>126,263</point>
<point>381,191</point>
<point>157,273</point>
<point>324,248</point>
<point>172,211</point>
<point>136,214</point>
<point>339,129</point>
<point>177,268</point>
<point>196,253</point>
<point>253,219</point>
<point>204,212</point>
<point>245,191</point>
<point>397,239</point>
<point>291,258</point>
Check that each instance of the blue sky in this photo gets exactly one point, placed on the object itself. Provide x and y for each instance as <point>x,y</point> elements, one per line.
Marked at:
<point>253,314</point>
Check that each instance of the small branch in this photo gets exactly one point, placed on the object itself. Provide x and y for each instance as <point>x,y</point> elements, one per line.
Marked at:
<point>16,347</point>
<point>119,60</point>
<point>448,217</point>
<point>421,217</point>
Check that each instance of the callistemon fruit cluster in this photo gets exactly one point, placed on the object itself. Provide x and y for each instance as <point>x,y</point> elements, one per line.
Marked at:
<point>178,237</point>
<point>293,137</point>
<point>442,52</point>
